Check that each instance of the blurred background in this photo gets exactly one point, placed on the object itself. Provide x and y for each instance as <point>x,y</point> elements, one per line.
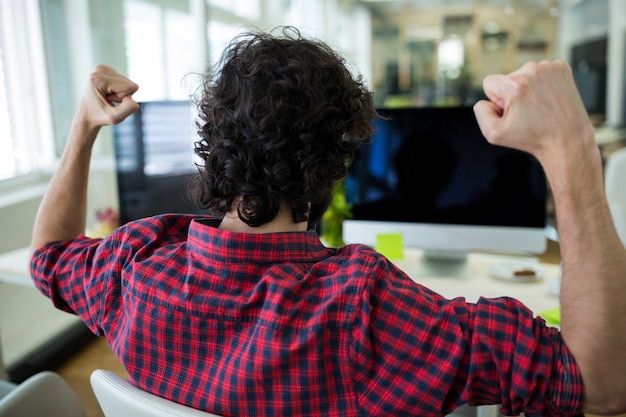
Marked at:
<point>411,52</point>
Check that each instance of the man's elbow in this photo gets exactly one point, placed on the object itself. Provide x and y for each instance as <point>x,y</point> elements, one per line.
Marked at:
<point>607,398</point>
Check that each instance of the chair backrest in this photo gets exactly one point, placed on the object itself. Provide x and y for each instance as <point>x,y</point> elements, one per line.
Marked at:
<point>615,184</point>
<point>43,394</point>
<point>118,397</point>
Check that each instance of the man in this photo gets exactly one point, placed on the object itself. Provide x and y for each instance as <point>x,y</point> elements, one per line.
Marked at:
<point>246,313</point>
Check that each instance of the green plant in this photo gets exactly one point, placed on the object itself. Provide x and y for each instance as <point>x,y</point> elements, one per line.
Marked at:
<point>332,219</point>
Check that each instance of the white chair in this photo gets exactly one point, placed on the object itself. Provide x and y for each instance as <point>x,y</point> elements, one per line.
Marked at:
<point>615,185</point>
<point>43,394</point>
<point>119,398</point>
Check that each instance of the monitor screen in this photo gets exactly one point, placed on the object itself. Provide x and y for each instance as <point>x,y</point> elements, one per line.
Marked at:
<point>431,175</point>
<point>155,160</point>
<point>589,68</point>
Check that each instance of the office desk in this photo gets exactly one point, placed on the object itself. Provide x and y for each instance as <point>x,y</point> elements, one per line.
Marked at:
<point>14,268</point>
<point>472,279</point>
<point>29,323</point>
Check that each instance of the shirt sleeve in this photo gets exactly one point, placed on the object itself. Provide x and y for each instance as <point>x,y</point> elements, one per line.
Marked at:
<point>86,276</point>
<point>417,353</point>
<point>78,276</point>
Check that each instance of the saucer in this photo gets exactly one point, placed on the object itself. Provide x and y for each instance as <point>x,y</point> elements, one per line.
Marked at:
<point>517,271</point>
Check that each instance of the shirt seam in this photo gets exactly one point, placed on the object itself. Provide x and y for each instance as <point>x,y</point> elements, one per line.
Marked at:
<point>355,311</point>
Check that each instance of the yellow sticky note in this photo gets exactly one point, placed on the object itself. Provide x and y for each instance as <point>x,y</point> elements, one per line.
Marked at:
<point>390,245</point>
<point>552,316</point>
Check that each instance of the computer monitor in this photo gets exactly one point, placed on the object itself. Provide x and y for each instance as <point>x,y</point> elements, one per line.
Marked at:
<point>155,160</point>
<point>430,175</point>
<point>589,68</point>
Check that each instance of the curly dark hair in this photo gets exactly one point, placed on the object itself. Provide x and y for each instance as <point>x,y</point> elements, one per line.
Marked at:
<point>279,121</point>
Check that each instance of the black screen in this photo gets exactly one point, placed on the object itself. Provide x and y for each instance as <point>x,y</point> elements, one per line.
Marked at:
<point>432,165</point>
<point>154,160</point>
<point>589,67</point>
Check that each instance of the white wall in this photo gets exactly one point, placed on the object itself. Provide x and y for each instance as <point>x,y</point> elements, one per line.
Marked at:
<point>591,19</point>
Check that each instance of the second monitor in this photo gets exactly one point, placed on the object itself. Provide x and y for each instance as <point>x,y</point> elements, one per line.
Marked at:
<point>431,175</point>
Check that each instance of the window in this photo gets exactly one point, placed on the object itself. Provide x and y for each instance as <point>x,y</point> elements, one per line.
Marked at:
<point>247,9</point>
<point>7,147</point>
<point>161,49</point>
<point>48,47</point>
<point>164,41</point>
<point>25,147</point>
<point>220,34</point>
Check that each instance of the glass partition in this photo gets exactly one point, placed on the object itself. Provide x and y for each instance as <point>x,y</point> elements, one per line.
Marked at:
<point>436,53</point>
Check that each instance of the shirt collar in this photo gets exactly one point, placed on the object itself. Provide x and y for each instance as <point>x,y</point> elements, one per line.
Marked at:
<point>208,241</point>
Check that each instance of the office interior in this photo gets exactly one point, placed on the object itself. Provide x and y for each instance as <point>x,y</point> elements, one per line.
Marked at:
<point>410,52</point>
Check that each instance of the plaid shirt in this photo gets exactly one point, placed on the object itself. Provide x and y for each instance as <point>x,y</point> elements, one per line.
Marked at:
<point>277,324</point>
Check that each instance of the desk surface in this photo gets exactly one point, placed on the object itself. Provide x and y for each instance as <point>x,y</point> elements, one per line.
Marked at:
<point>28,320</point>
<point>14,267</point>
<point>474,279</point>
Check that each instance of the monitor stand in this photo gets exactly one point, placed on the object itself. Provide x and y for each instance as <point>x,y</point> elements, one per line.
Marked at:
<point>443,263</point>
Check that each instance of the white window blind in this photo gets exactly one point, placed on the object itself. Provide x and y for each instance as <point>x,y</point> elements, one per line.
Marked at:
<point>7,158</point>
<point>25,128</point>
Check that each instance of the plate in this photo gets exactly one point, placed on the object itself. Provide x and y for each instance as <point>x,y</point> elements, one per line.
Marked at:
<point>517,271</point>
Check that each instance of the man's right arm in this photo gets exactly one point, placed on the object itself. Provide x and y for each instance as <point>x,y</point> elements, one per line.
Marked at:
<point>62,212</point>
<point>537,109</point>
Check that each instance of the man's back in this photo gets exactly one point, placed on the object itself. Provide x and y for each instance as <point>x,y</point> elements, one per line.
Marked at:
<point>277,324</point>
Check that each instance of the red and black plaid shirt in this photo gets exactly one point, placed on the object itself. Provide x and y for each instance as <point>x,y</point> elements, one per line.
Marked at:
<point>277,324</point>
